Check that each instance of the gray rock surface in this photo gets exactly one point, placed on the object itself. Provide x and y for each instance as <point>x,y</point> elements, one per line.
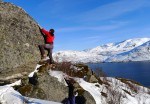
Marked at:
<point>56,91</point>
<point>19,37</point>
<point>53,89</point>
<point>89,98</point>
<point>49,88</point>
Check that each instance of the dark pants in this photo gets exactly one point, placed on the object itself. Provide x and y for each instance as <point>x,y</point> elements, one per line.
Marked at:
<point>71,100</point>
<point>48,47</point>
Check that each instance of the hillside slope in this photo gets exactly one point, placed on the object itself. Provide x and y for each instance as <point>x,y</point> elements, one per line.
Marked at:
<point>139,53</point>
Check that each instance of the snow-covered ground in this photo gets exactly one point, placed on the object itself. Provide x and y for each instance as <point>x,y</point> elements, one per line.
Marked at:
<point>142,96</point>
<point>9,96</point>
<point>123,92</point>
<point>112,52</point>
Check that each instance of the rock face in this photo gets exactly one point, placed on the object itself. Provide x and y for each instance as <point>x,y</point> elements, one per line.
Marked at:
<point>44,86</point>
<point>19,37</point>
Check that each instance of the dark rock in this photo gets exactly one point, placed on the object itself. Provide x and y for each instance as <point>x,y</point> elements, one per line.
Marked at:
<point>88,97</point>
<point>33,80</point>
<point>4,82</point>
<point>19,37</point>
<point>47,88</point>
<point>26,90</point>
<point>54,90</point>
<point>93,79</point>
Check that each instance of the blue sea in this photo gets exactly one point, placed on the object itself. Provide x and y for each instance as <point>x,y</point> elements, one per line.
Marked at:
<point>137,71</point>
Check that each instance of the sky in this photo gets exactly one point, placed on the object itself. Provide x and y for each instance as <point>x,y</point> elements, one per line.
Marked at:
<point>84,24</point>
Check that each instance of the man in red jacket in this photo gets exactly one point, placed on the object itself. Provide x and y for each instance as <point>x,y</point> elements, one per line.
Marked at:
<point>49,41</point>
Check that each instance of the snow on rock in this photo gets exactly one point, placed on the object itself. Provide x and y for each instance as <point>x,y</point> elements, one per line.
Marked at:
<point>9,96</point>
<point>142,95</point>
<point>35,71</point>
<point>15,83</point>
<point>39,101</point>
<point>103,53</point>
<point>92,89</point>
<point>58,75</point>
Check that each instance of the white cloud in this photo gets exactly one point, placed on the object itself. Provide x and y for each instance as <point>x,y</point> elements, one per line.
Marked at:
<point>112,10</point>
<point>113,25</point>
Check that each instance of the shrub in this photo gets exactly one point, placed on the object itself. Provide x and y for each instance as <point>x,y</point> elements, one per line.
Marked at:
<point>103,94</point>
<point>130,83</point>
<point>114,96</point>
<point>127,92</point>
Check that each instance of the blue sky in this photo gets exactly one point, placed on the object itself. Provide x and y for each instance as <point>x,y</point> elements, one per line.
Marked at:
<point>83,24</point>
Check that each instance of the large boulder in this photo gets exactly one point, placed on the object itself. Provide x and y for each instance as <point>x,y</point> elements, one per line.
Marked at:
<point>19,37</point>
<point>44,86</point>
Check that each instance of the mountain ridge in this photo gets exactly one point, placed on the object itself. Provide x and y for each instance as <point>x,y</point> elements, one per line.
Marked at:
<point>142,51</point>
<point>101,53</point>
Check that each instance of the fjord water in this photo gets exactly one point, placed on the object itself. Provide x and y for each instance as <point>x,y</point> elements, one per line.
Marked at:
<point>138,71</point>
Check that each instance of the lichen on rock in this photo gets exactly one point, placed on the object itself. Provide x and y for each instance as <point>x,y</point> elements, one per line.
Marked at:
<point>19,37</point>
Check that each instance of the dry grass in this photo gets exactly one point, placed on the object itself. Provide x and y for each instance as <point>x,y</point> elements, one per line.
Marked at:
<point>66,68</point>
<point>115,97</point>
<point>25,90</point>
<point>128,80</point>
<point>130,83</point>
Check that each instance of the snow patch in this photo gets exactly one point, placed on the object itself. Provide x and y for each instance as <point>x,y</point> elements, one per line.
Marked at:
<point>17,83</point>
<point>35,71</point>
<point>9,96</point>
<point>91,88</point>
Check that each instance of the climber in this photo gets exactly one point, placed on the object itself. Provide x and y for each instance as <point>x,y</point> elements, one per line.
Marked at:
<point>49,41</point>
<point>71,95</point>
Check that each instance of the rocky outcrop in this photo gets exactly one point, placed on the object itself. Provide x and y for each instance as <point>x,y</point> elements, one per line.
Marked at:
<point>19,37</point>
<point>44,86</point>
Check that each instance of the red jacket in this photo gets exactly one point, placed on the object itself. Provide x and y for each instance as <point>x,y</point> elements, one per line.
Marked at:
<point>49,37</point>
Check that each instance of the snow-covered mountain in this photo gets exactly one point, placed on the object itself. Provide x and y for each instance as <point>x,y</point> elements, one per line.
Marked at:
<point>113,48</point>
<point>78,56</point>
<point>108,52</point>
<point>139,53</point>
